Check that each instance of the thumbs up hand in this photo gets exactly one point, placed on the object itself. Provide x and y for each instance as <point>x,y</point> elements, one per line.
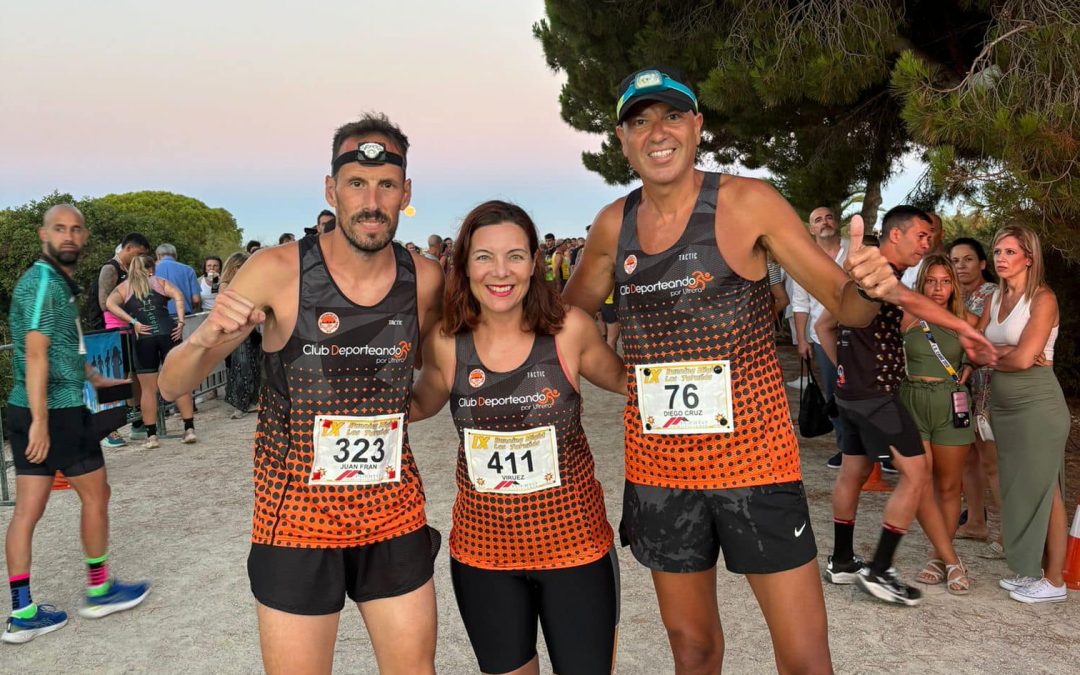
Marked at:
<point>868,268</point>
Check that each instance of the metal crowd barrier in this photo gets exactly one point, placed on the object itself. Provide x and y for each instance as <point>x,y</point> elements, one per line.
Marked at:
<point>217,378</point>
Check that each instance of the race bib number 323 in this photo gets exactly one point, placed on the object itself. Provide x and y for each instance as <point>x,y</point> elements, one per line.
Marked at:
<point>685,398</point>
<point>357,450</point>
<point>512,462</point>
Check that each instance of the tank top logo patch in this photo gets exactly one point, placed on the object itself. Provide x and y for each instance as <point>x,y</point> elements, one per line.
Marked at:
<point>695,282</point>
<point>630,264</point>
<point>542,399</point>
<point>395,354</point>
<point>329,322</point>
<point>477,378</point>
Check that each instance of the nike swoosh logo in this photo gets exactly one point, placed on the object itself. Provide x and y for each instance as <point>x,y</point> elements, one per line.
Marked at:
<point>799,530</point>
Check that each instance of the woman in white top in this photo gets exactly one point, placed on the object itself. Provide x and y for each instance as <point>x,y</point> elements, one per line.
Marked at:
<point>208,282</point>
<point>1029,419</point>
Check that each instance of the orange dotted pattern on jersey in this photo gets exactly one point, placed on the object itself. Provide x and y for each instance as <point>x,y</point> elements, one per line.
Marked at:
<point>762,449</point>
<point>288,511</point>
<point>559,527</point>
<point>686,304</point>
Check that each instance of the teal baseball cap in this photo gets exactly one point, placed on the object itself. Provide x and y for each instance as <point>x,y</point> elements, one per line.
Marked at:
<point>655,83</point>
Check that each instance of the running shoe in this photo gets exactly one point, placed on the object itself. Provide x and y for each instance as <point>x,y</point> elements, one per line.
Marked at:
<point>1040,591</point>
<point>835,461</point>
<point>151,443</point>
<point>888,587</point>
<point>47,619</point>
<point>887,466</point>
<point>138,433</point>
<point>189,436</point>
<point>844,573</point>
<point>1017,582</point>
<point>113,440</point>
<point>119,597</point>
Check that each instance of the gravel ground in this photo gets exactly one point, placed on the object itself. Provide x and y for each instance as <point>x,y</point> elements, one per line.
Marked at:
<point>181,518</point>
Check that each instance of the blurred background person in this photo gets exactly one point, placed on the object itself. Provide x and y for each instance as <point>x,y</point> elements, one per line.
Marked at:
<point>208,282</point>
<point>141,300</point>
<point>180,275</point>
<point>983,521</point>
<point>1029,417</point>
<point>242,365</point>
<point>286,238</point>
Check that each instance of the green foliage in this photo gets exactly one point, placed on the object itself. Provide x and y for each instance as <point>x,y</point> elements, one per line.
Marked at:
<point>194,228</point>
<point>801,89</point>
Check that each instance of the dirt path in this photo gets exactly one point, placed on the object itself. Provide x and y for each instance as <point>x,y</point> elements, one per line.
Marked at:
<point>181,518</point>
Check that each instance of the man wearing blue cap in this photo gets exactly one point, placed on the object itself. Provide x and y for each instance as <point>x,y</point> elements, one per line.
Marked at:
<point>712,461</point>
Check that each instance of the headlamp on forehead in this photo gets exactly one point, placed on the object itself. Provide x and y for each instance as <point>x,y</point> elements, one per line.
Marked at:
<point>368,154</point>
<point>649,82</point>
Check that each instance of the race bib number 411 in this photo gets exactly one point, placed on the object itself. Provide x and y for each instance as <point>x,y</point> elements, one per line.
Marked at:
<point>357,450</point>
<point>512,462</point>
<point>685,398</point>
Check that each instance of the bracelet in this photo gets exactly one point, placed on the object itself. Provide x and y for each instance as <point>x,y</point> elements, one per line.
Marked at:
<point>866,296</point>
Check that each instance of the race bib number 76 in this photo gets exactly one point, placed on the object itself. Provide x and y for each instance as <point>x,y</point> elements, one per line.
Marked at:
<point>685,398</point>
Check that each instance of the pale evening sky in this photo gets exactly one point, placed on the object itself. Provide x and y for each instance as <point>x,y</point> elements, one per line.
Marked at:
<point>235,103</point>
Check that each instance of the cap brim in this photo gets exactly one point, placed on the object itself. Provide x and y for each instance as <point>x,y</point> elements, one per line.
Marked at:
<point>676,99</point>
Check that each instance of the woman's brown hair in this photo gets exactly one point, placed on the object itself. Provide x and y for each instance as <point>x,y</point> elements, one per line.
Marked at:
<point>543,309</point>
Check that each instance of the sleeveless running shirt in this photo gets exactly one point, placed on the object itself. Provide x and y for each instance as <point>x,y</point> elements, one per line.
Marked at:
<point>153,310</point>
<point>870,360</point>
<point>342,359</point>
<point>686,304</point>
<point>516,507</point>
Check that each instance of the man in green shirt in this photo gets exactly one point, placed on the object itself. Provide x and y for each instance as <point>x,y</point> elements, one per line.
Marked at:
<point>51,430</point>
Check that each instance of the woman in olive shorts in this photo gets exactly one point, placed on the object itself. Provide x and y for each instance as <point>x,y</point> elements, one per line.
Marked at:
<point>935,396</point>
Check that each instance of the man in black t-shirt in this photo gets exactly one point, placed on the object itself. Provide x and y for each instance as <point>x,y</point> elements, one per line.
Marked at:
<point>876,426</point>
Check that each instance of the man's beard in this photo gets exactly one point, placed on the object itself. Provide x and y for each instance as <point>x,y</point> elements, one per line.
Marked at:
<point>63,257</point>
<point>366,245</point>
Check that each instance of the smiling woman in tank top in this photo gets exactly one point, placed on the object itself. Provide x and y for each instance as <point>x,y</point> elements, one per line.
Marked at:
<point>1029,418</point>
<point>530,538</point>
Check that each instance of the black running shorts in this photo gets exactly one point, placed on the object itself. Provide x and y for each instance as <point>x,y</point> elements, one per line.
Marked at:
<point>73,444</point>
<point>607,313</point>
<point>873,426</point>
<point>315,581</point>
<point>578,609</point>
<point>150,352</point>
<point>761,529</point>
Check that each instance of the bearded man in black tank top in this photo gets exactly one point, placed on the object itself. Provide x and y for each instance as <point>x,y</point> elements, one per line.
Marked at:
<point>639,240</point>
<point>345,313</point>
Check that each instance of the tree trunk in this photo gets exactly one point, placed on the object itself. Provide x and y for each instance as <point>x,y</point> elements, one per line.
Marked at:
<point>876,174</point>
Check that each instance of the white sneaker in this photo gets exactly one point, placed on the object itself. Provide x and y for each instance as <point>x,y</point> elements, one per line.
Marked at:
<point>1040,591</point>
<point>189,436</point>
<point>799,383</point>
<point>151,443</point>
<point>1017,582</point>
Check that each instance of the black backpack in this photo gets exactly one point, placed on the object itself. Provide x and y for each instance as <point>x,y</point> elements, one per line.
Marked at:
<point>95,317</point>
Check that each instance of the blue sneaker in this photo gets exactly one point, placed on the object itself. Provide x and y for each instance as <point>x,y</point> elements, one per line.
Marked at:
<point>47,619</point>
<point>138,433</point>
<point>119,597</point>
<point>113,440</point>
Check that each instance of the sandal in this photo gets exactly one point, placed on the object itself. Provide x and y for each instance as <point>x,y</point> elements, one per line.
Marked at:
<point>994,551</point>
<point>959,583</point>
<point>933,573</point>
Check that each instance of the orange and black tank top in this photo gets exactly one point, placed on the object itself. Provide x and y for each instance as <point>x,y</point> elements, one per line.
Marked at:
<point>527,494</point>
<point>686,305</point>
<point>346,360</point>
